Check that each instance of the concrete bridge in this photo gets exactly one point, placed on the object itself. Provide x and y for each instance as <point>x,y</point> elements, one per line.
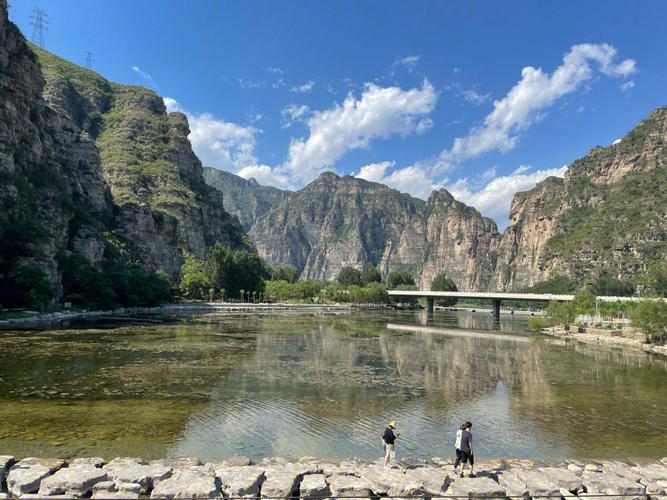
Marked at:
<point>495,297</point>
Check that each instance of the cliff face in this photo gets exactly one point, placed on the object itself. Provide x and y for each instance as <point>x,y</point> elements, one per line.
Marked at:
<point>244,198</point>
<point>609,214</point>
<point>52,194</point>
<point>84,160</point>
<point>459,242</point>
<point>345,221</point>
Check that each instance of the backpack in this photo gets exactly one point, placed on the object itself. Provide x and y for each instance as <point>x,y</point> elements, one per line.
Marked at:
<point>388,436</point>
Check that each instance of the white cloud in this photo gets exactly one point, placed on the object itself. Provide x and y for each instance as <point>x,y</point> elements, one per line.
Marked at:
<point>279,83</point>
<point>627,85</point>
<point>275,70</point>
<point>145,75</point>
<point>305,87</point>
<point>408,62</point>
<point>494,198</point>
<point>475,97</point>
<point>379,113</point>
<point>265,175</point>
<point>526,102</point>
<point>617,141</point>
<point>293,113</point>
<point>218,143</point>
<point>374,171</point>
<point>521,169</point>
<point>250,84</point>
<point>489,173</point>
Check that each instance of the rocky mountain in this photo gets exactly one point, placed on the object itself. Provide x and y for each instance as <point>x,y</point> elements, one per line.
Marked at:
<point>609,215</point>
<point>344,221</point>
<point>245,198</point>
<point>86,164</point>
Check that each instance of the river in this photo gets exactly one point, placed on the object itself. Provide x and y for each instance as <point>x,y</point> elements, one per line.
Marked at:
<point>324,385</point>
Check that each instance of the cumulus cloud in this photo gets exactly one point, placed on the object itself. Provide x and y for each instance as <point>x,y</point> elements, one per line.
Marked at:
<point>527,101</point>
<point>493,199</point>
<point>408,62</point>
<point>379,113</point>
<point>374,171</point>
<point>303,88</point>
<point>145,75</point>
<point>218,143</point>
<point>265,175</point>
<point>293,113</point>
<point>413,180</point>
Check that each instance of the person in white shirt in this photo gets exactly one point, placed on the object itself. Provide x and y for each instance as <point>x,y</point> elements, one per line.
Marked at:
<point>457,447</point>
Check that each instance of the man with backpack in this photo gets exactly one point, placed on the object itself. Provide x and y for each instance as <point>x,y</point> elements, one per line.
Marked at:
<point>388,438</point>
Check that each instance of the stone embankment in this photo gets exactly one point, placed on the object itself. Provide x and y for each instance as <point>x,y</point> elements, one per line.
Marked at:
<point>606,340</point>
<point>315,478</point>
<point>176,308</point>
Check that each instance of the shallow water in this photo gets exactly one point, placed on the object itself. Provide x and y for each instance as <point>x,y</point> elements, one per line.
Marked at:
<point>292,384</point>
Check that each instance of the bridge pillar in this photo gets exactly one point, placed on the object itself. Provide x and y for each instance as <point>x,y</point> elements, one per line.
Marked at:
<point>496,310</point>
<point>430,303</point>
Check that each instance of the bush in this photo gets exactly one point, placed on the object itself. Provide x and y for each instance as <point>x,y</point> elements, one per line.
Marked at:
<point>283,290</point>
<point>370,275</point>
<point>650,316</point>
<point>284,273</point>
<point>399,278</point>
<point>442,283</point>
<point>26,286</point>
<point>350,276</point>
<point>536,323</point>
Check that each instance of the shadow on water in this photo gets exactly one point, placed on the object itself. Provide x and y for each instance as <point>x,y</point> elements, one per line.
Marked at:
<point>324,385</point>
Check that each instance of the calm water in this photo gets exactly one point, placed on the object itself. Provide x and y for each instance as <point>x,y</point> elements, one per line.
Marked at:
<point>323,385</point>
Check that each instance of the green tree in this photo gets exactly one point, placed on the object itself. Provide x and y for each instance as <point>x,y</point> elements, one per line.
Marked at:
<point>584,303</point>
<point>608,285</point>
<point>442,283</point>
<point>350,276</point>
<point>29,287</point>
<point>656,279</point>
<point>650,316</point>
<point>194,281</point>
<point>235,270</point>
<point>284,273</point>
<point>398,278</point>
<point>562,313</point>
<point>370,274</point>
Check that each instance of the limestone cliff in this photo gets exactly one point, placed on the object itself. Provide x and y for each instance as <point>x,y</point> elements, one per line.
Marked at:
<point>344,221</point>
<point>609,214</point>
<point>84,161</point>
<point>245,198</point>
<point>459,242</point>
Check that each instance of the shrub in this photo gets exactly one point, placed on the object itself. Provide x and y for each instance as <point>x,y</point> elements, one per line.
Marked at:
<point>284,273</point>
<point>442,283</point>
<point>650,316</point>
<point>399,278</point>
<point>350,276</point>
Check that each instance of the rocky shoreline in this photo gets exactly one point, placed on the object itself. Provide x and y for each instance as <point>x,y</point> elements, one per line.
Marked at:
<point>317,478</point>
<point>606,340</point>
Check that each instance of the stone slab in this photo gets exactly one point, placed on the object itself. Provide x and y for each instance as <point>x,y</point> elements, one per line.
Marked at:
<point>187,485</point>
<point>77,480</point>
<point>314,486</point>
<point>475,487</point>
<point>240,481</point>
<point>346,486</point>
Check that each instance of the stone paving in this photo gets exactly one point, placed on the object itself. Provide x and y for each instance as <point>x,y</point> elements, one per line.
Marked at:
<point>311,478</point>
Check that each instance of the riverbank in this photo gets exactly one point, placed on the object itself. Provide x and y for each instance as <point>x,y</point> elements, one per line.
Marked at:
<point>606,340</point>
<point>315,478</point>
<point>177,308</point>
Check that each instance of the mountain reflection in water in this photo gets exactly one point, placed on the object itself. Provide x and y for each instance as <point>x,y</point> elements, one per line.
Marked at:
<point>325,385</point>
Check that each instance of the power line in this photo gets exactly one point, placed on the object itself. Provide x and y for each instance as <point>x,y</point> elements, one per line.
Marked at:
<point>39,26</point>
<point>89,60</point>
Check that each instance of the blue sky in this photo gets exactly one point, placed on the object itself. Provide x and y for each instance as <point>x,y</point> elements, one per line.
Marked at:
<point>482,98</point>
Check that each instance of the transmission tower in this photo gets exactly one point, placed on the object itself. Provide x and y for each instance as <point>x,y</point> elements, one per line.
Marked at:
<point>89,60</point>
<point>39,26</point>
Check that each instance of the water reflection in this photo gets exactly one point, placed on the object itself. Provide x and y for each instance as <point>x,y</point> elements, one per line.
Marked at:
<point>324,385</point>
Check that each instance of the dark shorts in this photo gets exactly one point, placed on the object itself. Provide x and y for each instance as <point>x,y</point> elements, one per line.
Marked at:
<point>464,457</point>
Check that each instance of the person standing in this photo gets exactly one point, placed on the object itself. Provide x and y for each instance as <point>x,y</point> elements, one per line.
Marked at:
<point>467,450</point>
<point>388,438</point>
<point>457,447</point>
